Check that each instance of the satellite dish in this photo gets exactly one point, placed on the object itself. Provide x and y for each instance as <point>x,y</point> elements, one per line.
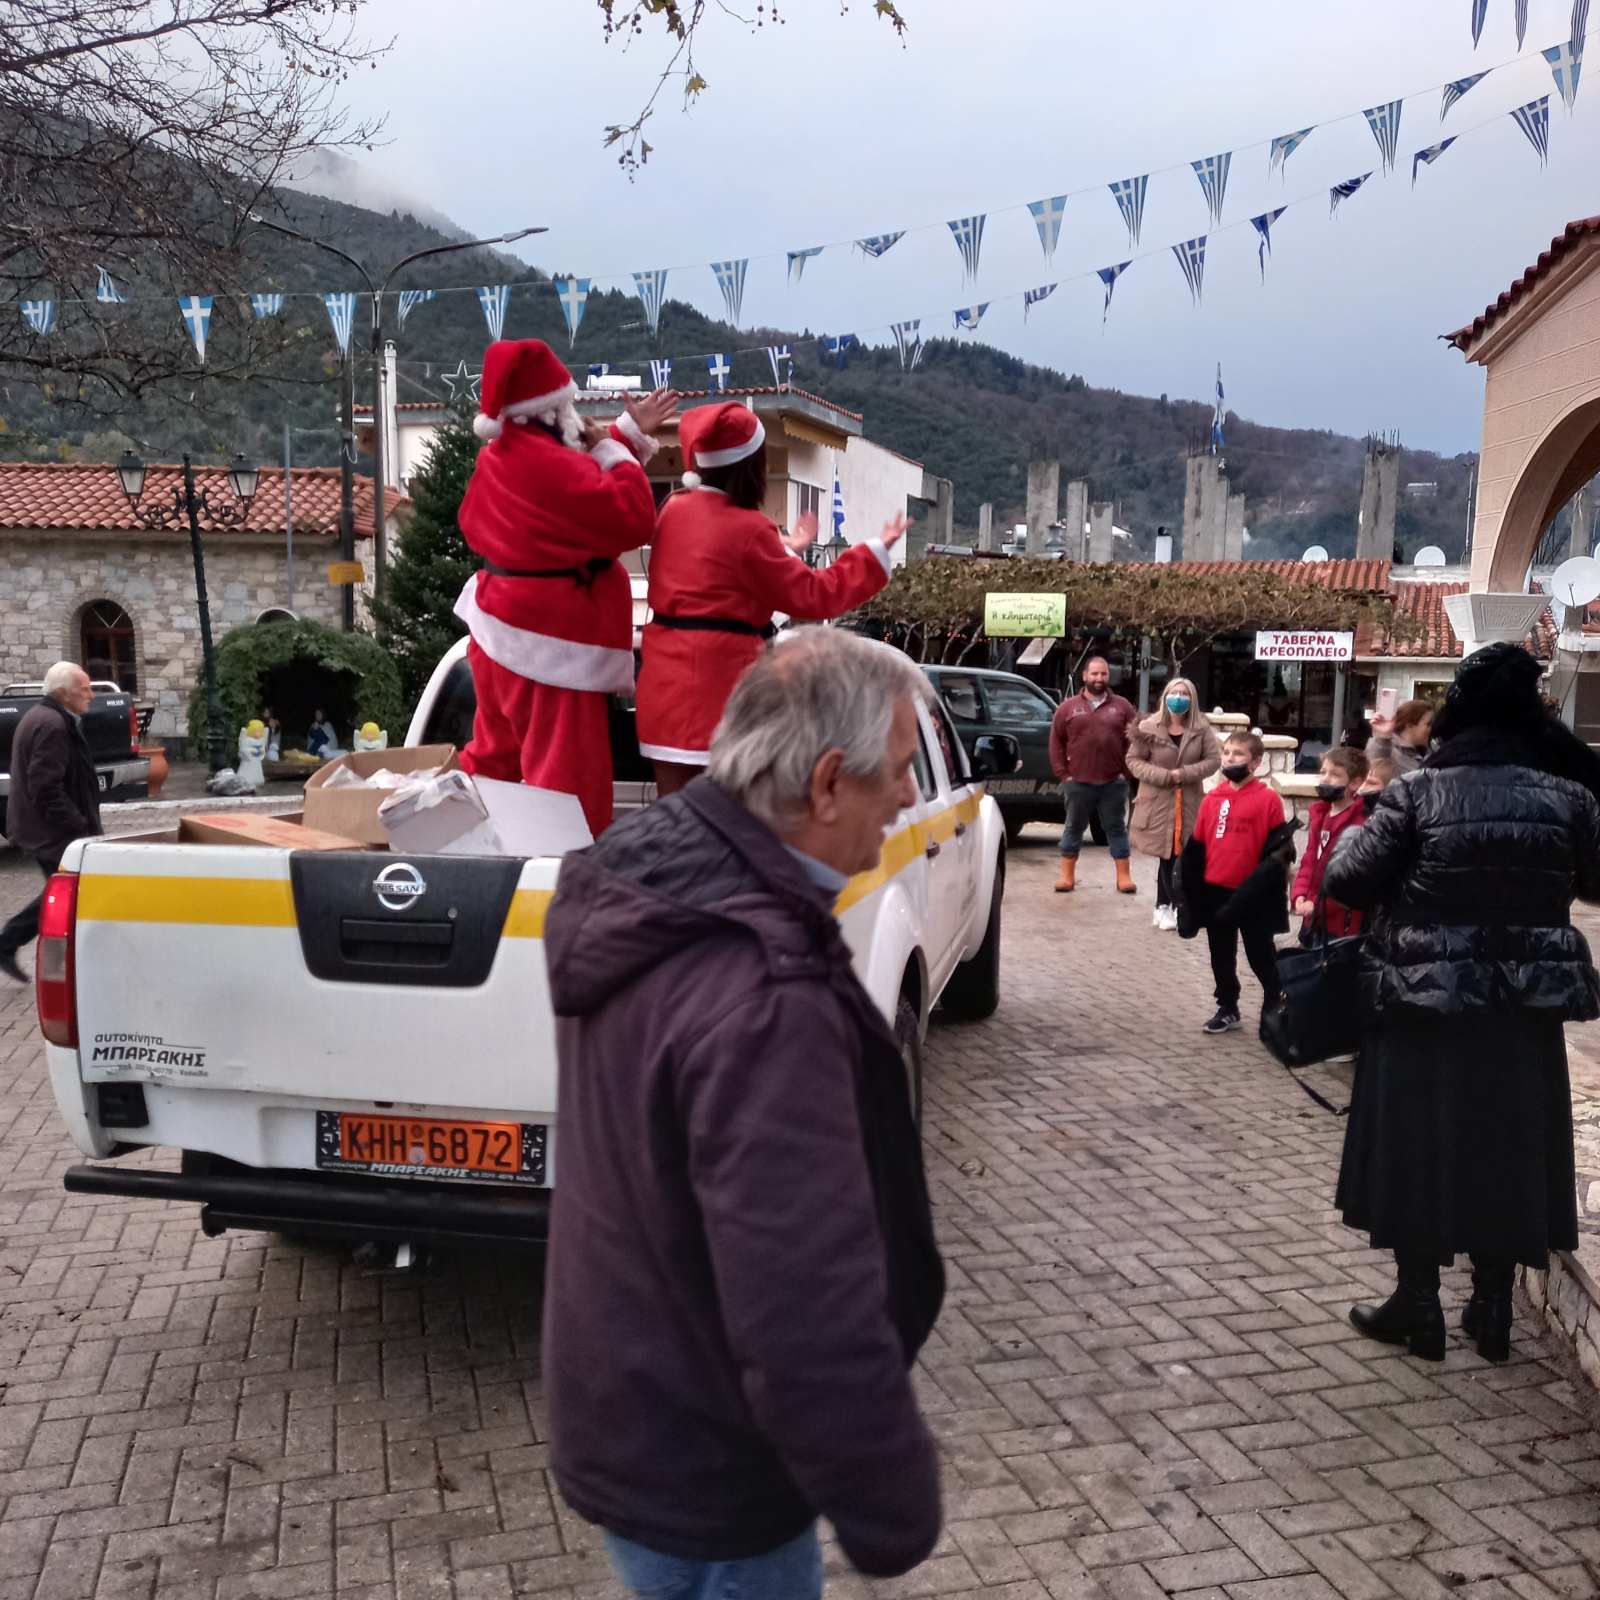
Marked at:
<point>1430,555</point>
<point>1315,553</point>
<point>1576,581</point>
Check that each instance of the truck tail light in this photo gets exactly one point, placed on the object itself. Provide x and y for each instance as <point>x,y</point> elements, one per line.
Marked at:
<point>54,987</point>
<point>133,726</point>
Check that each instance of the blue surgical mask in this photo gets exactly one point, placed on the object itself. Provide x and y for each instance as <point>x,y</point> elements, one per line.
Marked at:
<point>1177,704</point>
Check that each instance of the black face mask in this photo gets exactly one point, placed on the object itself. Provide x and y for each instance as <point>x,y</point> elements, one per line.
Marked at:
<point>1331,791</point>
<point>1236,773</point>
<point>1370,801</point>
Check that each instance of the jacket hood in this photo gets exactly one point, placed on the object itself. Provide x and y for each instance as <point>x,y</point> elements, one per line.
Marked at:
<point>687,870</point>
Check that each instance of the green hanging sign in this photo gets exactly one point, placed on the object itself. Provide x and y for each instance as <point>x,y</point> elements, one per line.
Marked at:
<point>1025,616</point>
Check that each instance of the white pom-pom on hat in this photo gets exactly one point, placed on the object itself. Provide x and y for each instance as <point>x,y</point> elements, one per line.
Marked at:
<point>692,480</point>
<point>486,427</point>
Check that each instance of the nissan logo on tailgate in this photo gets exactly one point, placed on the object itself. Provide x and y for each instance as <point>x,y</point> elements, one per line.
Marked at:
<point>398,885</point>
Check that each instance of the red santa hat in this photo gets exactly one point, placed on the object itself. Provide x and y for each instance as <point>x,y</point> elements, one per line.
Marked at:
<point>717,436</point>
<point>521,378</point>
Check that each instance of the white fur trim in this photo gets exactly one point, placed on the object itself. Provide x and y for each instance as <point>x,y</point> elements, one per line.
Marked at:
<point>611,454</point>
<point>643,446</point>
<point>540,403</point>
<point>691,480</point>
<point>684,758</point>
<point>561,663</point>
<point>881,551</point>
<point>486,428</point>
<point>737,452</point>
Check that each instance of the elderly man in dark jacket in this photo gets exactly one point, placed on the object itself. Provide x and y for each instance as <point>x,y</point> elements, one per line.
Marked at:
<point>742,1265</point>
<point>54,794</point>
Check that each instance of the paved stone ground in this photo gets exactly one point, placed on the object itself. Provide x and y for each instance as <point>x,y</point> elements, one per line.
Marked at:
<point>1143,1381</point>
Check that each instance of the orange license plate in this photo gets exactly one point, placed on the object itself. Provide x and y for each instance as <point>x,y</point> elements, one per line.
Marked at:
<point>432,1147</point>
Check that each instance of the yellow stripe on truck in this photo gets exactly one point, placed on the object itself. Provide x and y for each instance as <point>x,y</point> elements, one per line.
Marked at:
<point>525,919</point>
<point>901,849</point>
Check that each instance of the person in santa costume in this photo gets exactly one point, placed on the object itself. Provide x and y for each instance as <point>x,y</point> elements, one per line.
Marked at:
<point>719,569</point>
<point>553,501</point>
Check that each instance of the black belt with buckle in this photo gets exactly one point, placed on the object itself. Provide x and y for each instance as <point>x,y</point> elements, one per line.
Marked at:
<point>716,625</point>
<point>584,576</point>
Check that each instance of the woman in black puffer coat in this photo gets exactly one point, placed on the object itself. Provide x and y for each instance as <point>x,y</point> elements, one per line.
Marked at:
<point>1460,1132</point>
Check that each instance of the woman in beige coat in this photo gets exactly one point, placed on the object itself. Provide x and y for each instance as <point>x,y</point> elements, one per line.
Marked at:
<point>1170,752</point>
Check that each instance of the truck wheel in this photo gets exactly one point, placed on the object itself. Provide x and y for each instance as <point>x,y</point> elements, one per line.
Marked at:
<point>1014,827</point>
<point>973,991</point>
<point>906,1036</point>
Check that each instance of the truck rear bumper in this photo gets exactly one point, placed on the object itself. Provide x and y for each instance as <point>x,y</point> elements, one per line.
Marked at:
<point>328,1203</point>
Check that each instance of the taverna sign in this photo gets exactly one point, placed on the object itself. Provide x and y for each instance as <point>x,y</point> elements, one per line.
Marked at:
<point>1284,645</point>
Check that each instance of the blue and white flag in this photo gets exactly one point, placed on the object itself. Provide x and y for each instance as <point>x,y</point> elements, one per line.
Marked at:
<point>836,521</point>
<point>839,345</point>
<point>782,358</point>
<point>1213,175</point>
<point>1129,195</point>
<point>907,337</point>
<point>1521,11</point>
<point>1580,26</point>
<point>1564,68</point>
<point>599,369</point>
<point>1108,276</point>
<point>1426,158</point>
<point>410,299</point>
<point>573,294</point>
<point>879,243</point>
<point>40,315</point>
<point>916,354</point>
<point>1384,121</point>
<point>1534,120</point>
<point>1343,191</point>
<point>1191,256</point>
<point>195,309</point>
<point>798,259</point>
<point>1285,146</point>
<point>1480,9</point>
<point>107,293</point>
<point>1454,91</point>
<point>968,234</point>
<point>342,314</point>
<point>494,299</point>
<point>661,373</point>
<point>651,288</point>
<point>1218,443</point>
<point>719,368</point>
<point>1047,218</point>
<point>730,280</point>
<point>1031,297</point>
<point>266,305</point>
<point>968,317</point>
<point>1263,227</point>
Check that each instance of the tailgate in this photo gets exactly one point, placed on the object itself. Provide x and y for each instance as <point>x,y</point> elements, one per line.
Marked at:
<point>354,975</point>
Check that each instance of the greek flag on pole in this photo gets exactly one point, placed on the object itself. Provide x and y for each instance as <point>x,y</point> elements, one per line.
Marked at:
<point>1108,276</point>
<point>651,288</point>
<point>1343,191</point>
<point>40,315</point>
<point>1047,217</point>
<point>195,309</point>
<point>494,298</point>
<point>266,305</point>
<point>410,299</point>
<point>1031,297</point>
<point>782,358</point>
<point>661,373</point>
<point>1129,195</point>
<point>1191,256</point>
<point>1213,175</point>
<point>907,337</point>
<point>107,293</point>
<point>839,345</point>
<point>342,314</point>
<point>1426,158</point>
<point>798,259</point>
<point>599,369</point>
<point>1534,120</point>
<point>1263,226</point>
<point>1285,146</point>
<point>573,293</point>
<point>730,280</point>
<point>968,232</point>
<point>1564,68</point>
<point>879,243</point>
<point>1218,443</point>
<point>718,367</point>
<point>1384,121</point>
<point>836,533</point>
<point>1454,91</point>
<point>1480,9</point>
<point>1521,11</point>
<point>968,317</point>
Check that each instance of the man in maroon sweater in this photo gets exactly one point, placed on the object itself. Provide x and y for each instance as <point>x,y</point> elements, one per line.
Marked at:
<point>1088,753</point>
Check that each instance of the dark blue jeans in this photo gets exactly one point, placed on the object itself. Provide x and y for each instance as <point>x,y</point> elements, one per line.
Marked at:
<point>1109,802</point>
<point>791,1572</point>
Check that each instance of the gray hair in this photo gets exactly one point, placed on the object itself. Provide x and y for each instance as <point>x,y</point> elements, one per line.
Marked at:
<point>61,677</point>
<point>816,690</point>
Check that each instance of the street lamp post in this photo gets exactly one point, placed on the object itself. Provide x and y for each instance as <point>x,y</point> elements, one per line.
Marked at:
<point>187,504</point>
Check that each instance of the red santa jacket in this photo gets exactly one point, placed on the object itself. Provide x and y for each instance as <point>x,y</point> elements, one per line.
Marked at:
<point>535,505</point>
<point>712,560</point>
<point>1324,830</point>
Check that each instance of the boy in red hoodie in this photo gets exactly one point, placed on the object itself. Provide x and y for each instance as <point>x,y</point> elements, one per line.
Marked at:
<point>1337,808</point>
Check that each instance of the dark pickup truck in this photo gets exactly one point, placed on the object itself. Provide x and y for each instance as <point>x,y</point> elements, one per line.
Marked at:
<point>111,726</point>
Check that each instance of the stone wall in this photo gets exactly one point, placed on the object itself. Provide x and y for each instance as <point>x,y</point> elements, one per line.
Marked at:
<point>46,579</point>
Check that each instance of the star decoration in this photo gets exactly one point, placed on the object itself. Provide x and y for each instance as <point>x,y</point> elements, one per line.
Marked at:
<point>462,381</point>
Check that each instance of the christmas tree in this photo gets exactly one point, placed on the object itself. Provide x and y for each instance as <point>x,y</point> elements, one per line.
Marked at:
<point>416,618</point>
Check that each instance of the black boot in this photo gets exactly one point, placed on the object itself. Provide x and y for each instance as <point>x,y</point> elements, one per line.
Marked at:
<point>1487,1315</point>
<point>1412,1315</point>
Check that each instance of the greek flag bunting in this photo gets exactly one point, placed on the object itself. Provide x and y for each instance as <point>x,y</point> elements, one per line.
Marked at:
<point>342,314</point>
<point>494,298</point>
<point>782,358</point>
<point>907,337</point>
<point>661,373</point>
<point>1480,9</point>
<point>651,288</point>
<point>1129,195</point>
<point>839,345</point>
<point>1564,68</point>
<point>1218,443</point>
<point>1108,276</point>
<point>1454,91</point>
<point>1047,217</point>
<point>271,305</point>
<point>195,309</point>
<point>40,315</point>
<point>1285,146</point>
<point>717,366</point>
<point>573,295</point>
<point>968,233</point>
<point>106,292</point>
<point>730,280</point>
<point>1521,11</point>
<point>410,299</point>
<point>798,259</point>
<point>1031,297</point>
<point>1580,26</point>
<point>1426,158</point>
<point>1534,120</point>
<point>879,243</point>
<point>1213,175</point>
<point>1191,256</point>
<point>1384,121</point>
<point>1263,226</point>
<point>1343,191</point>
<point>968,317</point>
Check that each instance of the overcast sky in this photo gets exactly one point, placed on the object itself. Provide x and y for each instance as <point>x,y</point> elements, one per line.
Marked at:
<point>828,129</point>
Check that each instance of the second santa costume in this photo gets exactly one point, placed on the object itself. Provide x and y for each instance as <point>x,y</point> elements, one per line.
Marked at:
<point>718,573</point>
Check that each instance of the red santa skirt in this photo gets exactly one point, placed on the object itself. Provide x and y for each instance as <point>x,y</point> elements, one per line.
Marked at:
<point>684,683</point>
<point>527,732</point>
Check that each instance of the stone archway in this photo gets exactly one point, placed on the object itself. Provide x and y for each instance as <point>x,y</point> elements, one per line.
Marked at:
<point>1558,465</point>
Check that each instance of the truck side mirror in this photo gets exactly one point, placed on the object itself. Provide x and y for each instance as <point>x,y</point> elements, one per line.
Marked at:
<point>995,755</point>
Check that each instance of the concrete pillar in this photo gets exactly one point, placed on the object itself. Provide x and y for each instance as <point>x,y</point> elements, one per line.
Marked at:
<point>986,538</point>
<point>1100,532</point>
<point>942,513</point>
<point>1044,499</point>
<point>1205,510</point>
<point>1233,528</point>
<point>1380,494</point>
<point>1076,516</point>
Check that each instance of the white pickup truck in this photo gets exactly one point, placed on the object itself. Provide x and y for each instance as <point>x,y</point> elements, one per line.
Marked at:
<point>339,1053</point>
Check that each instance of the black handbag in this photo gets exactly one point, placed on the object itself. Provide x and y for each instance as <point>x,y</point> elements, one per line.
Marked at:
<point>1321,1013</point>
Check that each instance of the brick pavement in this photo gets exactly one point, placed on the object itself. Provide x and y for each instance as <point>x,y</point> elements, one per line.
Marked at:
<point>1143,1381</point>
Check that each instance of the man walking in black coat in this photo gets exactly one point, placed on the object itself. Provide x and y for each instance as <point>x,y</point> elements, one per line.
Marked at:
<point>54,794</point>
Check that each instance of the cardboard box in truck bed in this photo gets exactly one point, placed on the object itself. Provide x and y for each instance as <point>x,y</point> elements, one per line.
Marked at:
<point>353,812</point>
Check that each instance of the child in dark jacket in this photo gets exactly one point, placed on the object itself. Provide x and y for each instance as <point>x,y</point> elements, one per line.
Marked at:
<point>1338,807</point>
<point>1235,877</point>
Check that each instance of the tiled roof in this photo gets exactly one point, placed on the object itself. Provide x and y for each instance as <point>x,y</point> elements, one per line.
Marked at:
<point>82,497</point>
<point>1370,577</point>
<point>408,405</point>
<point>1563,244</point>
<point>611,396</point>
<point>1423,605</point>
